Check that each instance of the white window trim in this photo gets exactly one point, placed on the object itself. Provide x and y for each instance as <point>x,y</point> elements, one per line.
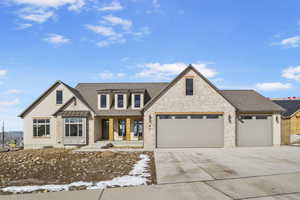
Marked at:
<point>83,127</point>
<point>107,101</point>
<point>41,118</point>
<point>132,101</point>
<point>116,101</point>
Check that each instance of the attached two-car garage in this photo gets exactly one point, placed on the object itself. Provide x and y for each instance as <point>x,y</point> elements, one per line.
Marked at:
<point>183,131</point>
<point>192,113</point>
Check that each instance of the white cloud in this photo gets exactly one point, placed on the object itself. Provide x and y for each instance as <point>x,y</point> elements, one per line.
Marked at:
<point>273,86</point>
<point>156,7</point>
<point>109,75</point>
<point>110,36</point>
<point>23,26</point>
<point>292,73</point>
<point>291,42</point>
<point>9,103</point>
<point>114,6</point>
<point>3,72</point>
<point>40,11</point>
<point>73,4</point>
<point>36,15</point>
<point>13,91</point>
<point>142,32</point>
<point>101,30</point>
<point>113,21</point>
<point>57,39</point>
<point>108,42</point>
<point>160,71</point>
<point>116,30</point>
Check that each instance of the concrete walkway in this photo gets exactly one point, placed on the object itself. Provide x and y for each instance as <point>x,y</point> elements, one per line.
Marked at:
<point>275,187</point>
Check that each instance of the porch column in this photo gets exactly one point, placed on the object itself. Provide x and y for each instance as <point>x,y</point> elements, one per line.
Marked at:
<point>128,131</point>
<point>111,129</point>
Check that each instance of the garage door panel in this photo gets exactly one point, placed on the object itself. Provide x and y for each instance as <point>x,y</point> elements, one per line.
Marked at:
<point>190,132</point>
<point>256,131</point>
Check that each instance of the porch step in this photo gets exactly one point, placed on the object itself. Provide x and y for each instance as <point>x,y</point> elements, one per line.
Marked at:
<point>129,144</point>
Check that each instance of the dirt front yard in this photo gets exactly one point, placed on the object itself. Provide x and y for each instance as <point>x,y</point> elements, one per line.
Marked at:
<point>61,166</point>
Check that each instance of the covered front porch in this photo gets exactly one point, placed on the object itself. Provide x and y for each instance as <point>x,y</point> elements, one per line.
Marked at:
<point>121,131</point>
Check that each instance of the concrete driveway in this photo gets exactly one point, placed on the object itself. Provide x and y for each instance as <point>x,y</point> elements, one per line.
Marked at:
<point>190,165</point>
<point>207,174</point>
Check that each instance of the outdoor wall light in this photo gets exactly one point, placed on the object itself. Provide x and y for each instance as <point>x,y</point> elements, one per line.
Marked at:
<point>229,118</point>
<point>150,121</point>
<point>277,119</point>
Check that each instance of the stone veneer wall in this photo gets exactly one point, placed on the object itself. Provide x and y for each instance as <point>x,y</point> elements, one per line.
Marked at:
<point>205,99</point>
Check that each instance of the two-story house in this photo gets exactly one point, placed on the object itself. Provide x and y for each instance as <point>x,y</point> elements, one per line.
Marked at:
<point>187,112</point>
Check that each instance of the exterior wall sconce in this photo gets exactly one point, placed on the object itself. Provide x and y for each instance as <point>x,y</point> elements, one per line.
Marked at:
<point>229,118</point>
<point>150,120</point>
<point>277,119</point>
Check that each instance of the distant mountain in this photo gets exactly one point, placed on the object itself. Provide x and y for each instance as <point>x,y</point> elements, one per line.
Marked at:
<point>13,134</point>
<point>9,136</point>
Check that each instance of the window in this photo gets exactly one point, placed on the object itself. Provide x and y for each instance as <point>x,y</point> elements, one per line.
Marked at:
<point>189,86</point>
<point>181,116</point>
<point>74,127</point>
<point>59,97</point>
<point>261,117</point>
<point>137,100</point>
<point>138,128</point>
<point>122,127</point>
<point>197,116</point>
<point>41,127</point>
<point>103,101</point>
<point>165,116</point>
<point>120,101</point>
<point>246,117</point>
<point>212,116</point>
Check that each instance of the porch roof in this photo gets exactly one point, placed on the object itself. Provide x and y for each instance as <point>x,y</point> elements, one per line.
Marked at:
<point>114,112</point>
<point>74,113</point>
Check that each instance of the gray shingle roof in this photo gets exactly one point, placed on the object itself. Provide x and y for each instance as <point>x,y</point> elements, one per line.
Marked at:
<point>250,101</point>
<point>77,113</point>
<point>89,92</point>
<point>291,106</point>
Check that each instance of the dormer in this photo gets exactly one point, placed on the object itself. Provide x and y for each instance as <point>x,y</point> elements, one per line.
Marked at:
<point>103,101</point>
<point>120,101</point>
<point>137,100</point>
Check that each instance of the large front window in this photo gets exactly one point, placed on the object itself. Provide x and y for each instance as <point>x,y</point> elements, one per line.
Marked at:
<point>120,100</point>
<point>74,126</point>
<point>122,127</point>
<point>138,128</point>
<point>41,127</point>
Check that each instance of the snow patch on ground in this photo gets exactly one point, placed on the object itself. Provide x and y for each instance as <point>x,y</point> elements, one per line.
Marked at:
<point>137,176</point>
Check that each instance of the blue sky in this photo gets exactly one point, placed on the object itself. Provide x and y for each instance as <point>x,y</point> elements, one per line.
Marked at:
<point>236,44</point>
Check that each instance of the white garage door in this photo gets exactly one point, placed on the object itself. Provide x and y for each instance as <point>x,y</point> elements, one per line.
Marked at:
<point>255,130</point>
<point>182,131</point>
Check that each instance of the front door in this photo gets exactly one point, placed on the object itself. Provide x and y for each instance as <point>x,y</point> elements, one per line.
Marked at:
<point>122,128</point>
<point>105,129</point>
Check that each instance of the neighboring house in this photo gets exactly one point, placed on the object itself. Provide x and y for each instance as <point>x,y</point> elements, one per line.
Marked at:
<point>290,123</point>
<point>187,112</point>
